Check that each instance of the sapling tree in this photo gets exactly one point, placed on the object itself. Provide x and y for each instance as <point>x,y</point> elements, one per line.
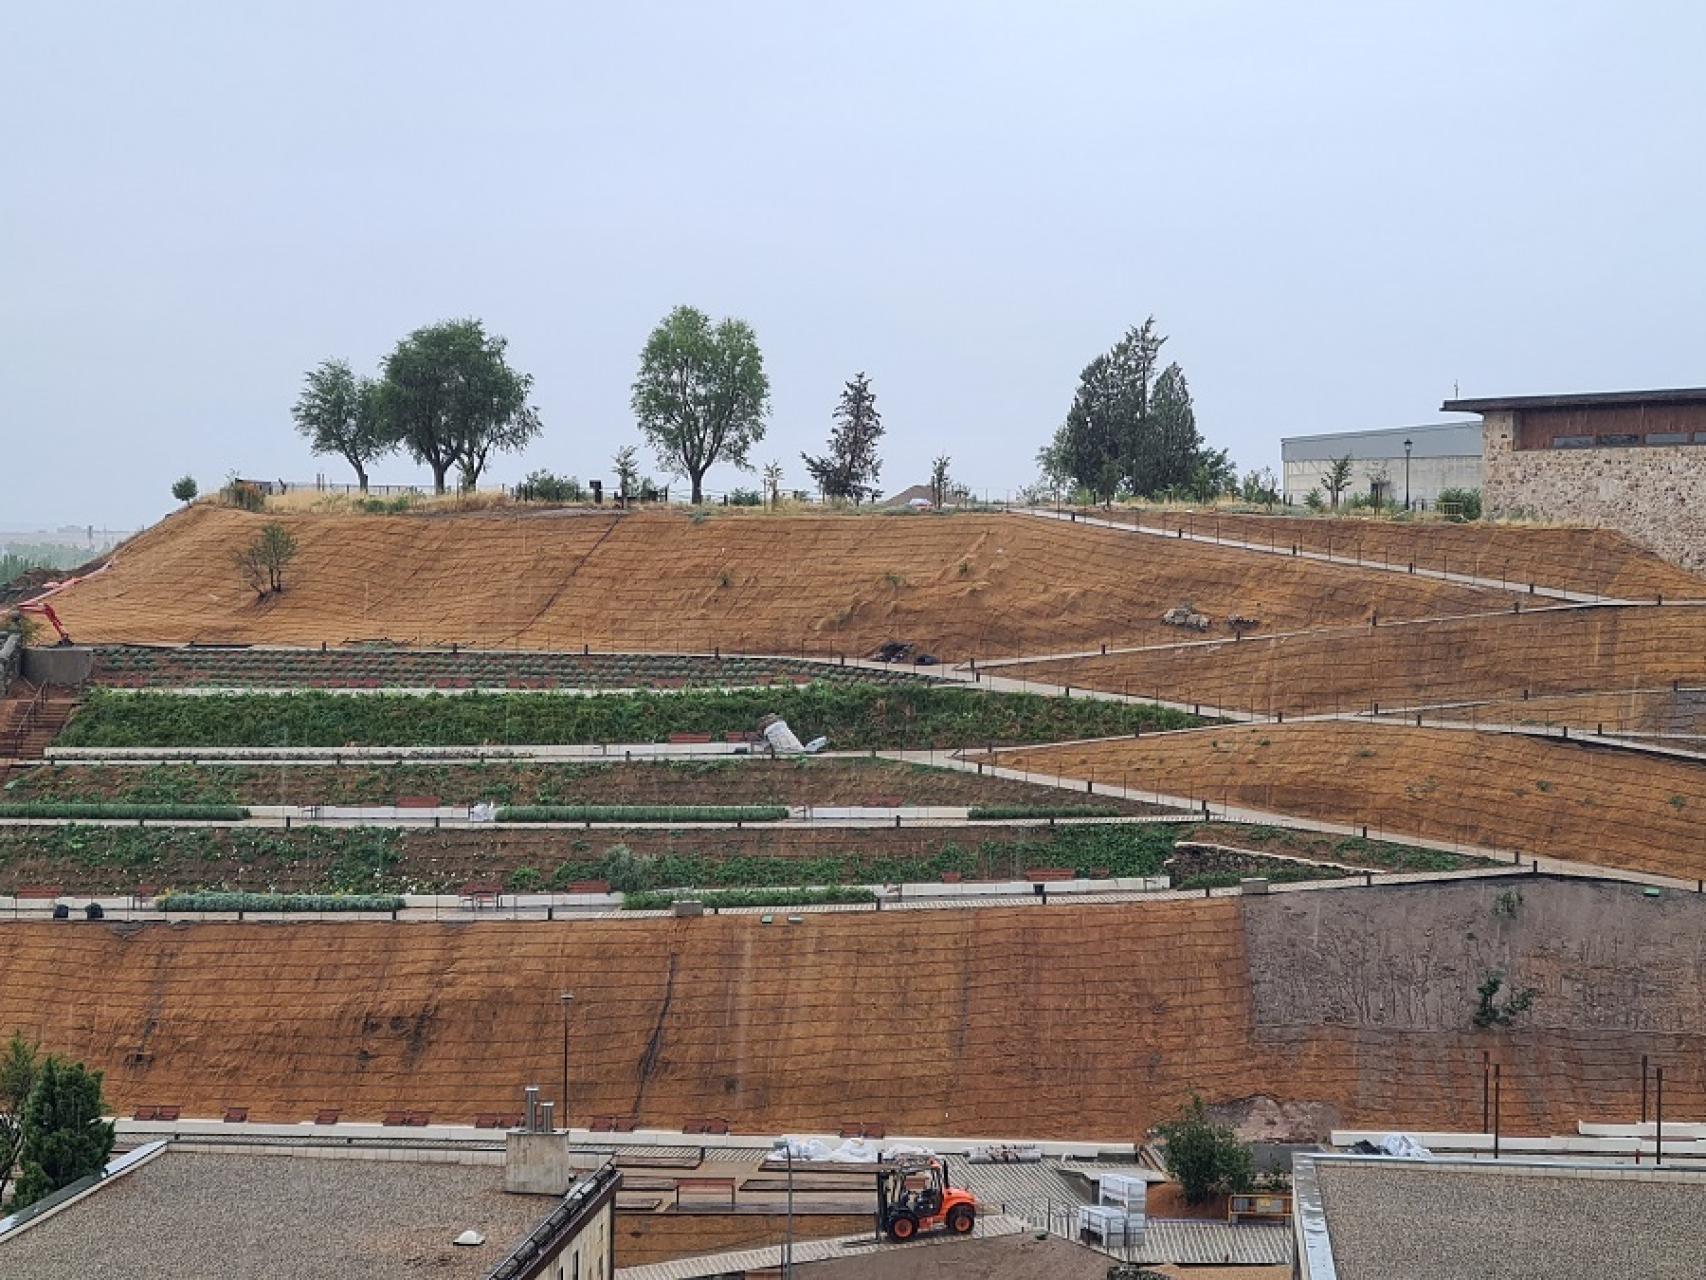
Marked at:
<point>1337,478</point>
<point>184,489</point>
<point>262,563</point>
<point>64,1136</point>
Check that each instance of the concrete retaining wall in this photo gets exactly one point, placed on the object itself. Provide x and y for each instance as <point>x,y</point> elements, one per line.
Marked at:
<point>1653,493</point>
<point>62,664</point>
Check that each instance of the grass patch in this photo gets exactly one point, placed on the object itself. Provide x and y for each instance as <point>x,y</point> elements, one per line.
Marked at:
<point>644,813</point>
<point>661,899</point>
<point>278,902</point>
<point>854,716</point>
<point>182,812</point>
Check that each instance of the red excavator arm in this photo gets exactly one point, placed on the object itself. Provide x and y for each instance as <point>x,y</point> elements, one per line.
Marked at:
<point>46,611</point>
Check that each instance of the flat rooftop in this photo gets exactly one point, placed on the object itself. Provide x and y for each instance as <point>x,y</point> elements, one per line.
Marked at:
<point>189,1215</point>
<point>1390,1219</point>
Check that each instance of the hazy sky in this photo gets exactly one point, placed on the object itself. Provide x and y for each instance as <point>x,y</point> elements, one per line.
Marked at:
<point>1336,211</point>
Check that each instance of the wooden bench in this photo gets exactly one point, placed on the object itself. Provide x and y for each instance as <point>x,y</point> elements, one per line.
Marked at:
<point>689,739</point>
<point>589,886</point>
<point>395,1119</point>
<point>327,1115</point>
<point>417,802</point>
<point>710,1124</point>
<point>37,892</point>
<point>1048,875</point>
<point>169,1114</point>
<point>236,1115</point>
<point>486,1120</point>
<point>146,1113</point>
<point>723,1189</point>
<point>482,893</point>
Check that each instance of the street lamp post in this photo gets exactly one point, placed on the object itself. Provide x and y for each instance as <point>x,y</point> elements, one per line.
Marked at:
<point>1406,474</point>
<point>567,999</point>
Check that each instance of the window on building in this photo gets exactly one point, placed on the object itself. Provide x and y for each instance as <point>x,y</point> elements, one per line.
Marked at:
<point>1667,437</point>
<point>1572,442</point>
<point>1618,440</point>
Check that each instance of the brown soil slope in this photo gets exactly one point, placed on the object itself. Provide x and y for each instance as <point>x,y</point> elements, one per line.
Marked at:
<point>1593,561</point>
<point>1411,664</point>
<point>1538,796</point>
<point>1054,1022</point>
<point>967,585</point>
<point>1673,712</point>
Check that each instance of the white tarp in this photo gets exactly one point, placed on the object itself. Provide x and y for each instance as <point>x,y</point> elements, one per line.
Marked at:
<point>847,1151</point>
<point>1402,1144</point>
<point>783,741</point>
<point>485,811</point>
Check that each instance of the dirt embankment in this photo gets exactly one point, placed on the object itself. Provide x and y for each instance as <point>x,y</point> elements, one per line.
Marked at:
<point>1590,561</point>
<point>1061,1022</point>
<point>1542,797</point>
<point>1408,664</point>
<point>959,586</point>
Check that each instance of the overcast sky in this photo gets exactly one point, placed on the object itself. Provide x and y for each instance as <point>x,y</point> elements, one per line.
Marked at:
<point>1337,212</point>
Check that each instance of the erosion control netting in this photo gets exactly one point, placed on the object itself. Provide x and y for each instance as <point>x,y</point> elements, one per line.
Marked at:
<point>1405,665</point>
<point>1612,806</point>
<point>1081,1022</point>
<point>957,586</point>
<point>1599,562</point>
<point>376,668</point>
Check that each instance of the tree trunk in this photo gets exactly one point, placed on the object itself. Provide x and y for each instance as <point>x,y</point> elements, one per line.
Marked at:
<point>698,487</point>
<point>361,477</point>
<point>438,470</point>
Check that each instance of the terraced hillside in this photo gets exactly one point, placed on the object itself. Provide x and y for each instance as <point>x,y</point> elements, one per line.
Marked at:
<point>1089,1022</point>
<point>1534,796</point>
<point>1546,651</point>
<point>960,586</point>
<point>1599,562</point>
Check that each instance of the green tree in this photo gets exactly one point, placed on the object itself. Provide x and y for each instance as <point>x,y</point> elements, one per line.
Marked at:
<point>627,468</point>
<point>65,1137</point>
<point>1337,478</point>
<point>339,414</point>
<point>184,489</point>
<point>772,476</point>
<point>1128,424</point>
<point>849,469</point>
<point>1261,486</point>
<point>1214,474</point>
<point>1206,1159</point>
<point>262,563</point>
<point>20,1062</point>
<point>451,399</point>
<point>940,485</point>
<point>701,395</point>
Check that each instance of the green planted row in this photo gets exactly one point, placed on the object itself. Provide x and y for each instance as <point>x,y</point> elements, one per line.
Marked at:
<point>1020,812</point>
<point>97,811</point>
<point>853,716</point>
<point>278,902</point>
<point>643,813</point>
<point>661,899</point>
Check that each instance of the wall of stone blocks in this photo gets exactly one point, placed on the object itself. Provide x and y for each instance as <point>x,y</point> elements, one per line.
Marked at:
<point>1655,493</point>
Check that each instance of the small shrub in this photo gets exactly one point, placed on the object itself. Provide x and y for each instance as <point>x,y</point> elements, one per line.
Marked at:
<point>184,489</point>
<point>745,498</point>
<point>262,563</point>
<point>542,486</point>
<point>1507,903</point>
<point>1490,1013</point>
<point>244,495</point>
<point>525,880</point>
<point>1206,1159</point>
<point>1314,501</point>
<point>278,902</point>
<point>96,811</point>
<point>1459,504</point>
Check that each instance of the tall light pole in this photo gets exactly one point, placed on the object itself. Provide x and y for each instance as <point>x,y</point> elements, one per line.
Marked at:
<point>1406,474</point>
<point>568,1000</point>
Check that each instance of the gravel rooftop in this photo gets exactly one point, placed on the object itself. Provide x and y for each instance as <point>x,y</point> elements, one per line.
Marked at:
<point>202,1216</point>
<point>1396,1221</point>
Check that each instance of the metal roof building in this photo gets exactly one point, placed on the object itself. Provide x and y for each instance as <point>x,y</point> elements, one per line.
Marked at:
<point>1442,455</point>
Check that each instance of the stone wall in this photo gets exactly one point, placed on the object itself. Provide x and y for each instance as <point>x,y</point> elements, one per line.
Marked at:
<point>1654,493</point>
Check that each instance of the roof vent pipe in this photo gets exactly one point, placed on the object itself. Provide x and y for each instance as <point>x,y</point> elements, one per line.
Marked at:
<point>546,1116</point>
<point>530,1108</point>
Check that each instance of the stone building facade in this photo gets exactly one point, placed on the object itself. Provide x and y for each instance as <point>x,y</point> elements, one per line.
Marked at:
<point>1630,460</point>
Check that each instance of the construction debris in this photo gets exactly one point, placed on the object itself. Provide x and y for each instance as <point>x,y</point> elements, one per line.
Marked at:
<point>896,651</point>
<point>782,740</point>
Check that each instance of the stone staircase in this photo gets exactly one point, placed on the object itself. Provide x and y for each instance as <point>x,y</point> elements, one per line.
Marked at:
<point>31,717</point>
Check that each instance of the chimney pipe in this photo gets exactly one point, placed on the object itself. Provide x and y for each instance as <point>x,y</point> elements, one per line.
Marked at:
<point>530,1108</point>
<point>546,1117</point>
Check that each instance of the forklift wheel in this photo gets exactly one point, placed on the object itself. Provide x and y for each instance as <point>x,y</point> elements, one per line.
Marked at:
<point>903,1226</point>
<point>961,1219</point>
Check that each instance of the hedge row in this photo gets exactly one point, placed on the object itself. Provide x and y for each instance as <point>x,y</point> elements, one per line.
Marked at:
<point>661,899</point>
<point>1023,811</point>
<point>66,809</point>
<point>278,902</point>
<point>643,813</point>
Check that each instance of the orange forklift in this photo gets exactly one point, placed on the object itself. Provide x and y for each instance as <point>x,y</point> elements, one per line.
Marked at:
<point>914,1195</point>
